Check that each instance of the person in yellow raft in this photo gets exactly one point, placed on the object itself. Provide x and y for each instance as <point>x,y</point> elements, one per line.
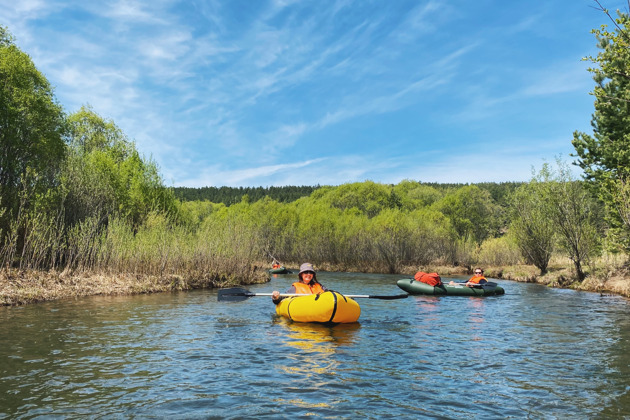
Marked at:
<point>307,284</point>
<point>477,279</point>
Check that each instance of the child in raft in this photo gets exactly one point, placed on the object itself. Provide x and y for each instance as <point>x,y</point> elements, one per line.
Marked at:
<point>307,284</point>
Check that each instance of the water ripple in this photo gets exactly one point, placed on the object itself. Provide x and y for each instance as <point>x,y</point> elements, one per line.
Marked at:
<point>532,353</point>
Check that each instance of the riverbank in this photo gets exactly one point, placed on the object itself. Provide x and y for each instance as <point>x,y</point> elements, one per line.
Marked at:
<point>19,287</point>
<point>613,282</point>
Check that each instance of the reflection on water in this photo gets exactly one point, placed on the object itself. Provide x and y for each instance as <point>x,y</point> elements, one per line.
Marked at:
<point>311,348</point>
<point>535,352</point>
<point>319,337</point>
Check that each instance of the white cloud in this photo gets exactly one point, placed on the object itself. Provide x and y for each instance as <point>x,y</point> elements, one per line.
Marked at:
<point>559,78</point>
<point>216,176</point>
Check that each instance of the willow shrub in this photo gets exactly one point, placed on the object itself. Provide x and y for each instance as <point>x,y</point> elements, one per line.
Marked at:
<point>503,251</point>
<point>400,238</point>
<point>275,224</point>
<point>316,233</point>
<point>221,250</point>
<point>228,247</point>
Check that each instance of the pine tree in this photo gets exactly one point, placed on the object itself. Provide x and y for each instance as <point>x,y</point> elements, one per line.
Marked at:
<point>605,155</point>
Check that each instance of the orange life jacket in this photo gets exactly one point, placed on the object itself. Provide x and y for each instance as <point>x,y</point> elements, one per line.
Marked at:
<point>306,289</point>
<point>476,279</point>
<point>275,266</point>
<point>432,279</point>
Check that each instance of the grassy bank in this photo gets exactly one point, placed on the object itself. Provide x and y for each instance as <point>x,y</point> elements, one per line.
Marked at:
<point>18,287</point>
<point>615,282</point>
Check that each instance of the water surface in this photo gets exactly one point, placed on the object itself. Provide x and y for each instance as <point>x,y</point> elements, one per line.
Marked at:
<point>531,353</point>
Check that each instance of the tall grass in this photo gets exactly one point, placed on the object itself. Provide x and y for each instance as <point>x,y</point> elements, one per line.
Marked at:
<point>215,254</point>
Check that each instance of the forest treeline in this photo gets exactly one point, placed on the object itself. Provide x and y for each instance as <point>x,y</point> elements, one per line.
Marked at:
<point>499,191</point>
<point>233,195</point>
<point>77,196</point>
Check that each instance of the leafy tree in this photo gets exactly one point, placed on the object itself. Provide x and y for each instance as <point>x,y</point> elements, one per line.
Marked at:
<point>471,211</point>
<point>105,175</point>
<point>499,251</point>
<point>416,195</point>
<point>531,226</point>
<point>317,232</point>
<point>193,213</point>
<point>391,232</point>
<point>369,197</point>
<point>573,213</point>
<point>275,223</point>
<point>32,130</point>
<point>554,206</point>
<point>605,155</point>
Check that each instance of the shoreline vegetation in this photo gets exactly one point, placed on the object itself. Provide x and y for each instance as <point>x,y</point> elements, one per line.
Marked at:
<point>20,287</point>
<point>83,213</point>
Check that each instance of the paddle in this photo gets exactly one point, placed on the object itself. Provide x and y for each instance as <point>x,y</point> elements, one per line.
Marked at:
<point>274,258</point>
<point>280,265</point>
<point>236,294</point>
<point>489,284</point>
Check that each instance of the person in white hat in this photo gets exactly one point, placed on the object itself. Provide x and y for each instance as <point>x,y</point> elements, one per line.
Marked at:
<point>307,284</point>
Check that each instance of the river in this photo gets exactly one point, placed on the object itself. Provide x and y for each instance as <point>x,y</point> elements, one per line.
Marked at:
<point>534,352</point>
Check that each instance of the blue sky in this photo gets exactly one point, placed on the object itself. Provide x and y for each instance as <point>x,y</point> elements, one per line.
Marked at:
<point>287,92</point>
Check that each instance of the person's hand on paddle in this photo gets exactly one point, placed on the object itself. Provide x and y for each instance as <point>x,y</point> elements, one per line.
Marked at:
<point>275,295</point>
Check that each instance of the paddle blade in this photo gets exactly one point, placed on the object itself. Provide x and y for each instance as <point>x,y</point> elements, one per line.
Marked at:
<point>389,297</point>
<point>487,285</point>
<point>234,294</point>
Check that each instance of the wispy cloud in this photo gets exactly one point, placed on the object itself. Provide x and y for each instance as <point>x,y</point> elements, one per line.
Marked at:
<point>219,94</point>
<point>559,78</point>
<point>216,175</point>
<point>132,11</point>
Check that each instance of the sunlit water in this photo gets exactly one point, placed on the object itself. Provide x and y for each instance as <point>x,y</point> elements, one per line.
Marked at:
<point>532,353</point>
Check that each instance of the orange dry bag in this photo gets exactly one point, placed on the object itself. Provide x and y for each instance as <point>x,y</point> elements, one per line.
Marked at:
<point>432,279</point>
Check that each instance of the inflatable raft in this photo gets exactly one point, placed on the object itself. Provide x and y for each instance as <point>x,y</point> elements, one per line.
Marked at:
<point>279,270</point>
<point>415,287</point>
<point>328,307</point>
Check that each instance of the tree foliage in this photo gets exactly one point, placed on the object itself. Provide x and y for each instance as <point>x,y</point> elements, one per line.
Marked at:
<point>471,211</point>
<point>370,198</point>
<point>233,195</point>
<point>556,208</point>
<point>530,224</point>
<point>32,130</point>
<point>105,174</point>
<point>605,155</point>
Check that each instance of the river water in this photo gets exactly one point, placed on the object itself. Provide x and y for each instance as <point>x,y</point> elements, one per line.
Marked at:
<point>534,353</point>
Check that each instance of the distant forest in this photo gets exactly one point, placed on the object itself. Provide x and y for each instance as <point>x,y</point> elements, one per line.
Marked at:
<point>233,195</point>
<point>288,194</point>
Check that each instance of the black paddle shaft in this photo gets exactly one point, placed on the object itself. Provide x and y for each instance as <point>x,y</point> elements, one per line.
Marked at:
<point>237,294</point>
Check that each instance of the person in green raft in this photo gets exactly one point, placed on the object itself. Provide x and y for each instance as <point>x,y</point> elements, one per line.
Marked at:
<point>476,280</point>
